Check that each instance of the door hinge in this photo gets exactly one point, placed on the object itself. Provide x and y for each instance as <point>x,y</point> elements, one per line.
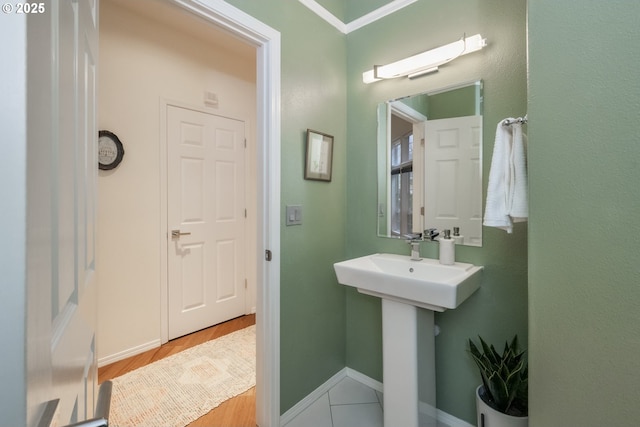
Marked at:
<point>245,283</point>
<point>245,213</point>
<point>422,210</point>
<point>267,255</point>
<point>245,143</point>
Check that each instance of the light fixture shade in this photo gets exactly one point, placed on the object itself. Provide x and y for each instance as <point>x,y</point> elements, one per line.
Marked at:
<point>425,61</point>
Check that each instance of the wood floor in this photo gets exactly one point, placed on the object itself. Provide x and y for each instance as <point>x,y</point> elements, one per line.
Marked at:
<point>239,411</point>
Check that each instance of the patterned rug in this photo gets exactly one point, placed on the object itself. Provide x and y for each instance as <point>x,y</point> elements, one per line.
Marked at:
<point>179,389</point>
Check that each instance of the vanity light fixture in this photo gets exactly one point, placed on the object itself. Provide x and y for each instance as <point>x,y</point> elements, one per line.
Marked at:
<point>425,62</point>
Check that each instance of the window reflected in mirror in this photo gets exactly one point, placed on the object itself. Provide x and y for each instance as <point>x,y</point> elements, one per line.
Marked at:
<point>402,185</point>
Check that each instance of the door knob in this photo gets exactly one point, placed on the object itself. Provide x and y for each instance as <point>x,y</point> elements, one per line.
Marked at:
<point>175,234</point>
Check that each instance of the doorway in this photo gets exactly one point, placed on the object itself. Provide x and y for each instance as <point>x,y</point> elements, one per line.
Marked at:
<point>267,43</point>
<point>153,223</point>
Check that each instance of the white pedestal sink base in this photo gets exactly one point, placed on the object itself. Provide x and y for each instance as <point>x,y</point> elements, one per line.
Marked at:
<point>400,363</point>
<point>403,285</point>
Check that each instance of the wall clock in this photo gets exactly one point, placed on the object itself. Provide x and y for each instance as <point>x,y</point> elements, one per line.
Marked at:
<point>110,150</point>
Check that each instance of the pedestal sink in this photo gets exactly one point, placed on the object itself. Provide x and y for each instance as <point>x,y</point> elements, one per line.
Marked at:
<point>404,285</point>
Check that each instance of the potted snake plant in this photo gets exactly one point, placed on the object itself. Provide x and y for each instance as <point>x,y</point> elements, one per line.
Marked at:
<point>502,399</point>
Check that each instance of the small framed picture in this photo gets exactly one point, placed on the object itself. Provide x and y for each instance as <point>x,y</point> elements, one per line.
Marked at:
<point>319,156</point>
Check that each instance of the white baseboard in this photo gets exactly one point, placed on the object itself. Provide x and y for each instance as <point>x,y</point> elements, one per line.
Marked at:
<point>299,407</point>
<point>364,379</point>
<point>103,361</point>
<point>451,420</point>
<point>430,410</point>
<point>424,408</point>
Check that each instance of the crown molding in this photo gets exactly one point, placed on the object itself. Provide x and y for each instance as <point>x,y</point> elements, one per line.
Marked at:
<point>325,14</point>
<point>379,13</point>
<point>367,19</point>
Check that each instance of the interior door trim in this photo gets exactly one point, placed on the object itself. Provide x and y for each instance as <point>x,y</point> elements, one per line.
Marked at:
<point>268,130</point>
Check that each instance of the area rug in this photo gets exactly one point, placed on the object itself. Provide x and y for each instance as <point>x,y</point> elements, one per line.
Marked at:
<point>179,389</point>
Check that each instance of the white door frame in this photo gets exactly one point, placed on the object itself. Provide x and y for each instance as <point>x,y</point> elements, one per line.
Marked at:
<point>267,43</point>
<point>408,114</point>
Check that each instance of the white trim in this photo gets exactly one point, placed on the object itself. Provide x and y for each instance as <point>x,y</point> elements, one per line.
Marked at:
<point>406,113</point>
<point>164,243</point>
<point>267,43</point>
<point>121,355</point>
<point>364,379</point>
<point>428,409</point>
<point>424,408</point>
<point>325,14</point>
<point>379,13</point>
<point>358,23</point>
<point>300,407</point>
<point>452,421</point>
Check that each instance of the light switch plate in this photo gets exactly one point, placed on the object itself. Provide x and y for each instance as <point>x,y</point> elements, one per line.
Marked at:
<point>294,215</point>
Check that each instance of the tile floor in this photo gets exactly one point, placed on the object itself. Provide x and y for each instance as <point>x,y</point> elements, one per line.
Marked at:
<point>349,404</point>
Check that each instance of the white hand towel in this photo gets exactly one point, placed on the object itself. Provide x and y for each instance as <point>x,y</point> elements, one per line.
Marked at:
<point>496,212</point>
<point>519,210</point>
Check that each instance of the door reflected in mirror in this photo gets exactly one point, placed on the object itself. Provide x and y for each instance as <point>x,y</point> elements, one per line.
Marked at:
<point>430,163</point>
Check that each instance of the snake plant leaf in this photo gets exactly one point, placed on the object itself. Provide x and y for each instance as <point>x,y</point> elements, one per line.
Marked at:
<point>504,376</point>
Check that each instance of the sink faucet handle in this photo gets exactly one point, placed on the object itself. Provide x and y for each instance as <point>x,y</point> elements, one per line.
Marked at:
<point>431,233</point>
<point>413,237</point>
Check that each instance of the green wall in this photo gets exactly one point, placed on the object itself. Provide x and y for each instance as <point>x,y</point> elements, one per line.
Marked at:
<point>583,168</point>
<point>584,172</point>
<point>313,96</point>
<point>325,326</point>
<point>499,309</point>
<point>454,103</point>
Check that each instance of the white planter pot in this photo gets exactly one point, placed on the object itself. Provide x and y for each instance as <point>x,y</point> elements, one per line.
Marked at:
<point>489,417</point>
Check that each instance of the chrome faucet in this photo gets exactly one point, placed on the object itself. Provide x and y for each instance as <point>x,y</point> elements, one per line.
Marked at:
<point>414,240</point>
<point>430,234</point>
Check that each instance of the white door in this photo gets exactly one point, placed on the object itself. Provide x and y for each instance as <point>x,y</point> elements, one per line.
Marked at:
<point>453,183</point>
<point>61,213</point>
<point>206,217</point>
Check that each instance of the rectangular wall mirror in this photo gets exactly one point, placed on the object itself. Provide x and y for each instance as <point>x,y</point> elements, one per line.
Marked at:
<point>430,163</point>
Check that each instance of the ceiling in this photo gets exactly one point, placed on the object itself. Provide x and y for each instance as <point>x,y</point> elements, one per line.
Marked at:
<point>176,18</point>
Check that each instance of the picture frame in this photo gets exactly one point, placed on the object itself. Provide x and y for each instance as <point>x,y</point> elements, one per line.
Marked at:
<point>319,156</point>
